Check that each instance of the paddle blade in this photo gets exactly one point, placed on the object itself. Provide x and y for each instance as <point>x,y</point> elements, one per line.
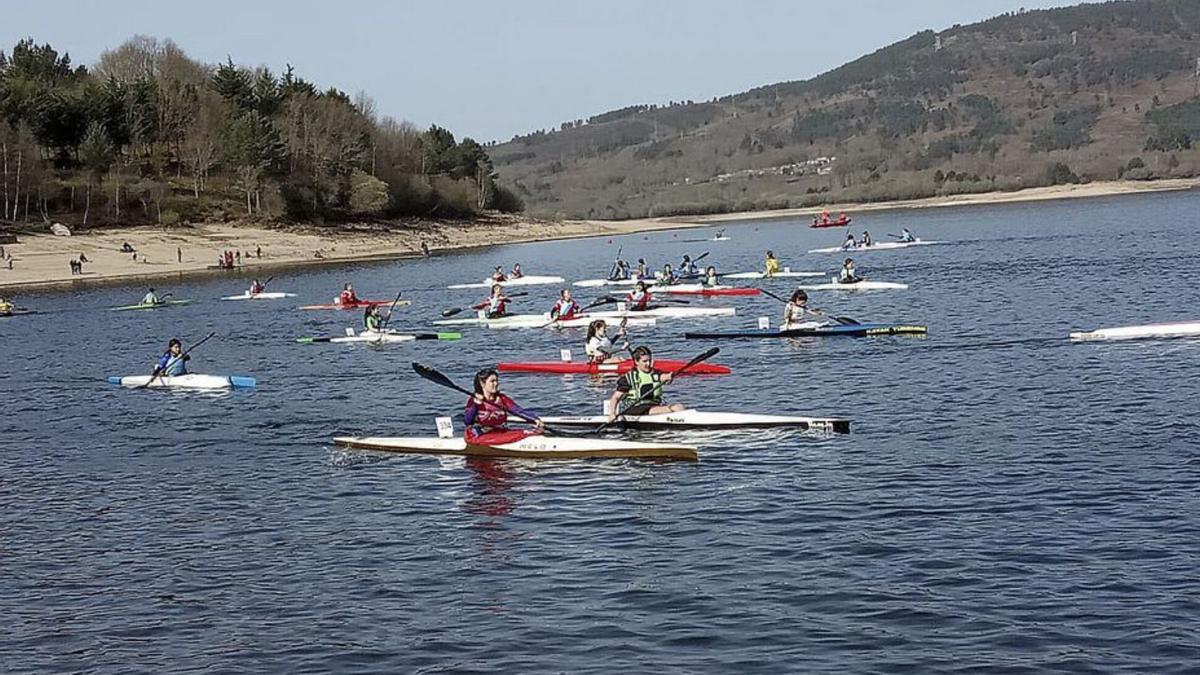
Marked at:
<point>700,257</point>
<point>434,376</point>
<point>454,310</point>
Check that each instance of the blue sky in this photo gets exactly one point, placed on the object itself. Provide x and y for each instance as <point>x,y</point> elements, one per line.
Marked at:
<point>493,69</point>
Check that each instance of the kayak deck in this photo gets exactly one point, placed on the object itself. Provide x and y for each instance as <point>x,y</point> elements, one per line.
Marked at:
<point>700,419</point>
<point>531,447</point>
<point>189,381</point>
<point>361,304</point>
<point>619,368</point>
<point>848,330</point>
<point>1158,330</point>
<point>157,305</point>
<point>864,285</point>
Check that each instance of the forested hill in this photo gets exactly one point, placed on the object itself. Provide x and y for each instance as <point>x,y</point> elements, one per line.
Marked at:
<point>149,135</point>
<point>1092,92</point>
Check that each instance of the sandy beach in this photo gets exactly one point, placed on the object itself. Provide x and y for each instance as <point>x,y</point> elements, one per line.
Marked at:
<point>41,261</point>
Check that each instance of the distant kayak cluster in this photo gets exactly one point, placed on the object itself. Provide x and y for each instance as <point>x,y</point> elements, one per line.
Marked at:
<point>632,295</point>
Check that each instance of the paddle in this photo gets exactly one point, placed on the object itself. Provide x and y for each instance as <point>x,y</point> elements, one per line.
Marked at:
<point>458,310</point>
<point>656,299</point>
<point>704,356</point>
<point>846,321</point>
<point>162,299</point>
<point>437,378</point>
<point>158,371</point>
<point>387,319</point>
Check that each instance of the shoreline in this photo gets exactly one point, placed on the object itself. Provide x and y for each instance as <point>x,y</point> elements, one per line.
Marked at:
<point>41,260</point>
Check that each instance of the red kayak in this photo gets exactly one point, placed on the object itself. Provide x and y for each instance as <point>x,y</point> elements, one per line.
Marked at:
<point>697,289</point>
<point>583,368</point>
<point>832,223</point>
<point>361,304</point>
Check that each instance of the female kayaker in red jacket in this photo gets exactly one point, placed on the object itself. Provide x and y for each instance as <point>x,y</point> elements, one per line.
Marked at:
<point>486,413</point>
<point>566,308</point>
<point>639,299</point>
<point>496,305</point>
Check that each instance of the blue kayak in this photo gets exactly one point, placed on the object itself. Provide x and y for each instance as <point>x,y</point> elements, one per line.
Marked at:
<point>852,330</point>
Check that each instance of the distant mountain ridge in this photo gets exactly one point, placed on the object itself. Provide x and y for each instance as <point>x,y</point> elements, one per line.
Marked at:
<point>1089,92</point>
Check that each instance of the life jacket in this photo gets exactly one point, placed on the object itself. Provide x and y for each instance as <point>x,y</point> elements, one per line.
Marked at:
<point>643,387</point>
<point>564,309</point>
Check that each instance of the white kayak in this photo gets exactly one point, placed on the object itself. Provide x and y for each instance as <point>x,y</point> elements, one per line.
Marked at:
<point>267,295</point>
<point>787,273</point>
<point>531,447</point>
<point>1158,330</point>
<point>701,419</point>
<point>528,280</point>
<point>595,283</point>
<point>864,285</point>
<point>189,381</point>
<point>386,336</point>
<point>536,320</point>
<point>881,246</point>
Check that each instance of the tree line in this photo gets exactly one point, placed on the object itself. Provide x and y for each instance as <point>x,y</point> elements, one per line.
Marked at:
<point>149,134</point>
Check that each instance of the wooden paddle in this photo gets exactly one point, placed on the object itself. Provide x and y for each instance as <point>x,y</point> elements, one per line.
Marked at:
<point>844,320</point>
<point>436,377</point>
<point>458,310</point>
<point>700,358</point>
<point>182,357</point>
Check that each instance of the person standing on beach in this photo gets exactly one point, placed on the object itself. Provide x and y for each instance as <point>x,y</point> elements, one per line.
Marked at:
<point>179,253</point>
<point>258,252</point>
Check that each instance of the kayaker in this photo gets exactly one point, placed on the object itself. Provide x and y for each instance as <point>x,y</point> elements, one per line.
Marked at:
<point>639,298</point>
<point>150,298</point>
<point>566,308</point>
<point>498,275</point>
<point>667,276</point>
<point>496,305</point>
<point>619,270</point>
<point>256,287</point>
<point>486,413</point>
<point>906,236</point>
<point>687,267</point>
<point>599,347</point>
<point>842,217</point>
<point>772,265</point>
<point>642,270</point>
<point>825,217</point>
<point>372,318</point>
<point>6,307</point>
<point>639,392</point>
<point>173,362</point>
<point>866,239</point>
<point>797,311</point>
<point>348,297</point>
<point>848,275</point>
<point>710,276</point>
<point>850,242</point>
<point>516,272</point>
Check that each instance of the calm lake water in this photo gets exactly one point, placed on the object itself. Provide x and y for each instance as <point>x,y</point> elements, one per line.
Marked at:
<point>1007,501</point>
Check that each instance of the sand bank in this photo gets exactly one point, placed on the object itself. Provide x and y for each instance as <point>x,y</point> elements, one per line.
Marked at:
<point>41,260</point>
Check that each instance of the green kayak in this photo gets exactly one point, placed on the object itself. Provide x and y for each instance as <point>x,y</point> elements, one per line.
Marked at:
<point>159,305</point>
